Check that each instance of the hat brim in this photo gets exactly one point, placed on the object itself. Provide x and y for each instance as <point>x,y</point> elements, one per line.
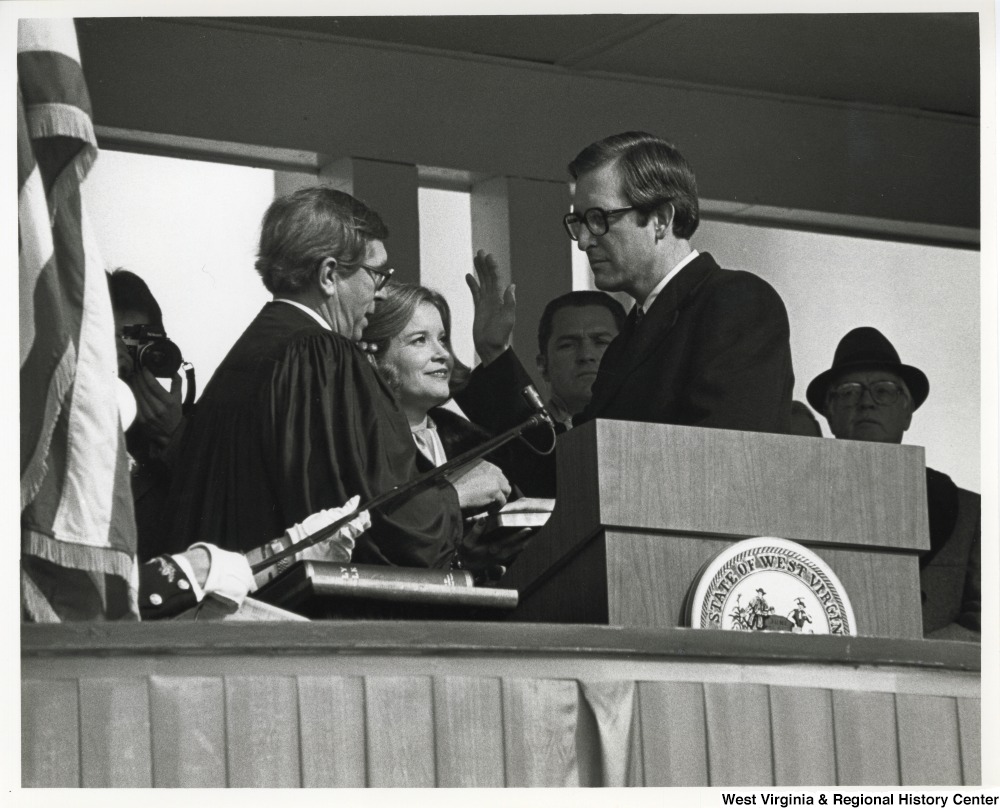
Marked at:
<point>916,381</point>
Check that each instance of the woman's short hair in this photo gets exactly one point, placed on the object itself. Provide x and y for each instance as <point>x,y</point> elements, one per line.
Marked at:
<point>303,228</point>
<point>652,171</point>
<point>129,292</point>
<point>392,315</point>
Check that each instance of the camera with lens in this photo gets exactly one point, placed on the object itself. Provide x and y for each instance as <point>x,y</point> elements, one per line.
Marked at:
<point>149,348</point>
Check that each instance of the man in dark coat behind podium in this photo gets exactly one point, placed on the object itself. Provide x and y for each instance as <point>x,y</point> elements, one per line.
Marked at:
<point>703,346</point>
<point>869,395</point>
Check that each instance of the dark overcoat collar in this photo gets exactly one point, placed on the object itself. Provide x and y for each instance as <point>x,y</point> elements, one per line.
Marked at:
<point>637,341</point>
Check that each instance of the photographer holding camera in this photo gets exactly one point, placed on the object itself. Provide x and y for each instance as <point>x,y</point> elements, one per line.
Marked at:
<point>145,356</point>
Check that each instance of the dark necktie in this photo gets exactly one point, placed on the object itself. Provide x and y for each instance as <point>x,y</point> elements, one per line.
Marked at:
<point>631,324</point>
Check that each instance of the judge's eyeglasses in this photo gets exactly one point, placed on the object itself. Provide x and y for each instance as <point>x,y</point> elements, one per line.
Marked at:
<point>379,275</point>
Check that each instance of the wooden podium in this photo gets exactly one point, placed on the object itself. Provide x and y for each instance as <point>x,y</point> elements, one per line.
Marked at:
<point>641,507</point>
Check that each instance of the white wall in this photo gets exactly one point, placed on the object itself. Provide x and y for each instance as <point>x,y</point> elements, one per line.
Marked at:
<point>446,257</point>
<point>924,299</point>
<point>189,229</point>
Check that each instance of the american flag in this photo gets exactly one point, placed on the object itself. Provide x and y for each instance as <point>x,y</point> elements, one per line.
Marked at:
<point>77,523</point>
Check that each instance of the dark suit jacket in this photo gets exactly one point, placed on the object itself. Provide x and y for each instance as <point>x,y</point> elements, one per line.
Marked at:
<point>712,351</point>
<point>950,572</point>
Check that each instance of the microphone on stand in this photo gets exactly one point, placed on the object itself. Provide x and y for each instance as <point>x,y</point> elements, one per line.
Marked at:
<point>530,395</point>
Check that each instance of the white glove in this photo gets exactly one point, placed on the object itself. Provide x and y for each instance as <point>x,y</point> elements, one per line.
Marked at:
<point>338,547</point>
<point>229,576</point>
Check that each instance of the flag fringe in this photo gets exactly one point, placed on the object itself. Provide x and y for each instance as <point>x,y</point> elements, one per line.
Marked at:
<point>106,560</point>
<point>62,381</point>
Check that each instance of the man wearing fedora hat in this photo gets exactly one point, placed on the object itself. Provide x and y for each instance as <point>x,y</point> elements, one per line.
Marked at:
<point>869,395</point>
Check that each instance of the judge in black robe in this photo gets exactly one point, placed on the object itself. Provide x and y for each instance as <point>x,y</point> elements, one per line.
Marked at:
<point>296,419</point>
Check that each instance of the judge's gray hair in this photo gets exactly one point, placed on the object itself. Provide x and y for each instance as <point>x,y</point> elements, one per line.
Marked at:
<point>303,228</point>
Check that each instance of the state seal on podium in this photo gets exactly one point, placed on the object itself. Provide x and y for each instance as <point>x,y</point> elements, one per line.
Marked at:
<point>769,584</point>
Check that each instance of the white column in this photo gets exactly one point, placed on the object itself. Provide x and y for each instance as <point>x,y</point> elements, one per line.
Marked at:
<point>520,222</point>
<point>390,189</point>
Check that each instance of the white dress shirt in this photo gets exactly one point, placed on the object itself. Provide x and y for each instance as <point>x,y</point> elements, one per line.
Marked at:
<point>306,309</point>
<point>651,297</point>
<point>428,442</point>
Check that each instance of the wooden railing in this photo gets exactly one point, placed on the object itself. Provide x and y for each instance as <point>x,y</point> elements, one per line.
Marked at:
<point>489,704</point>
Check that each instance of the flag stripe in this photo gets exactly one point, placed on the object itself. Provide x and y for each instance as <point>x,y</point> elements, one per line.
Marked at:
<point>25,156</point>
<point>34,236</point>
<point>39,514</point>
<point>121,531</point>
<point>43,538</point>
<point>56,105</point>
<point>38,426</point>
<point>52,78</point>
<point>35,251</point>
<point>51,360</point>
<point>55,593</point>
<point>85,512</point>
<point>34,604</point>
<point>48,34</point>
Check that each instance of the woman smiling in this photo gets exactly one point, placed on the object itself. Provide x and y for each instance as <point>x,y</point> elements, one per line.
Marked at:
<point>408,336</point>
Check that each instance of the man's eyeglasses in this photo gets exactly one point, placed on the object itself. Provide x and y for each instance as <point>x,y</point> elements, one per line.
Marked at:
<point>379,275</point>
<point>883,393</point>
<point>595,220</point>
